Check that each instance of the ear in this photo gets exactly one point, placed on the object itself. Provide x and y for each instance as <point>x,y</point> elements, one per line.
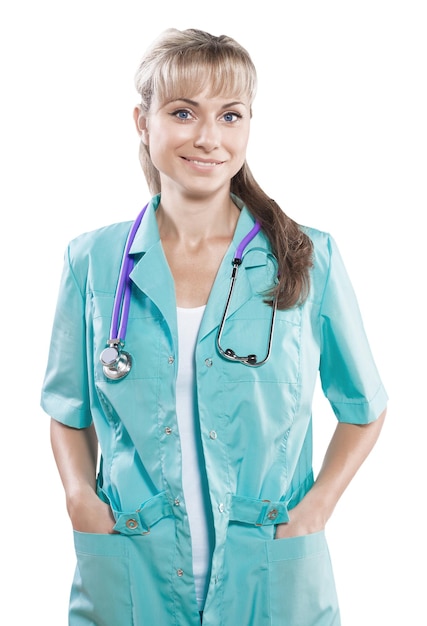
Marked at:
<point>141,124</point>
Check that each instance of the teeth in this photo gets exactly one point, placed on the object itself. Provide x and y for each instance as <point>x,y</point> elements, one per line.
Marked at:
<point>203,163</point>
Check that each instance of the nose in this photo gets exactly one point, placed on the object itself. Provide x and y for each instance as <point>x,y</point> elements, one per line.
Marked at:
<point>208,136</point>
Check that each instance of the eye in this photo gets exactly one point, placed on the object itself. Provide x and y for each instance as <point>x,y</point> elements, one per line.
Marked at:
<point>231,117</point>
<point>182,114</point>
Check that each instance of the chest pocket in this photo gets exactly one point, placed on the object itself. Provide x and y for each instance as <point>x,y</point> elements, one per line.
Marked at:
<point>143,337</point>
<point>247,332</point>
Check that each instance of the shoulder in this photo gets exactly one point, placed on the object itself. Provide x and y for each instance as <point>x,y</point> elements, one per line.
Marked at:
<point>327,260</point>
<point>319,238</point>
<point>95,256</point>
<point>323,245</point>
<point>99,240</point>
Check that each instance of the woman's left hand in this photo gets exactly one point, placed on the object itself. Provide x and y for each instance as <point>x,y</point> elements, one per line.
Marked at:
<point>306,518</point>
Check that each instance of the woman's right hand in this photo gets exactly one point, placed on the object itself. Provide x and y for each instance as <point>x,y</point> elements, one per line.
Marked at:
<point>76,452</point>
<point>89,514</point>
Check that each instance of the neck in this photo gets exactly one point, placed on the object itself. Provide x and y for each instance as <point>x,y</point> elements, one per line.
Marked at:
<point>194,219</point>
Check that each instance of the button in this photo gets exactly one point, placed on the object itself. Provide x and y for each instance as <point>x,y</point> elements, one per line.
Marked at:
<point>208,362</point>
<point>272,514</point>
<point>213,434</point>
<point>177,502</point>
<point>132,524</point>
<point>221,507</point>
<point>171,360</point>
<point>179,572</point>
<point>168,431</point>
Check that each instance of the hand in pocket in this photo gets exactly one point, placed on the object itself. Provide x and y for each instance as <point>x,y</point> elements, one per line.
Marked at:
<point>89,514</point>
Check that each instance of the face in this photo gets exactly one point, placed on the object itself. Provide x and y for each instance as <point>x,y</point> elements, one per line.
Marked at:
<point>197,143</point>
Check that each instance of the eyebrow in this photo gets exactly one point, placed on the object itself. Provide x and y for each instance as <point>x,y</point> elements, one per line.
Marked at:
<point>194,103</point>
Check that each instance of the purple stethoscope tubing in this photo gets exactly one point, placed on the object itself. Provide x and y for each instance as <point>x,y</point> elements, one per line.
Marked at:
<point>123,289</point>
<point>246,240</point>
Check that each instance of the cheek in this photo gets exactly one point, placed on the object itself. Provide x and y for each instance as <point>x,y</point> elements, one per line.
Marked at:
<point>240,140</point>
<point>158,148</point>
<point>165,143</point>
<point>157,156</point>
<point>239,146</point>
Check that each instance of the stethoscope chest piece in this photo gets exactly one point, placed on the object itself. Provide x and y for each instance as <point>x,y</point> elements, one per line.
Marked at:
<point>116,363</point>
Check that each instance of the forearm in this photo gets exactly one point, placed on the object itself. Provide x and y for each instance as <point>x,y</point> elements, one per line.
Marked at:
<point>347,450</point>
<point>75,451</point>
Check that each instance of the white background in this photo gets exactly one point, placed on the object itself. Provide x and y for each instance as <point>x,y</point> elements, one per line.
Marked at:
<point>338,139</point>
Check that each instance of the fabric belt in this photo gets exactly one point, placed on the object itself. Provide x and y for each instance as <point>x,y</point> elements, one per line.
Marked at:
<point>140,521</point>
<point>258,512</point>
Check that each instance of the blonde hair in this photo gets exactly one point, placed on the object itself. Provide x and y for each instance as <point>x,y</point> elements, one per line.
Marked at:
<point>179,63</point>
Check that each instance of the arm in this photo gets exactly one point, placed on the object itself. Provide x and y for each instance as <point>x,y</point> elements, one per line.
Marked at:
<point>347,450</point>
<point>76,451</point>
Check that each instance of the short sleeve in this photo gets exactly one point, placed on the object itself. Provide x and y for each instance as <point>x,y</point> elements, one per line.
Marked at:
<point>65,394</point>
<point>348,373</point>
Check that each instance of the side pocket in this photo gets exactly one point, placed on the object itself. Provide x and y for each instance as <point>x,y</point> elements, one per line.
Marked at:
<point>302,586</point>
<point>101,590</point>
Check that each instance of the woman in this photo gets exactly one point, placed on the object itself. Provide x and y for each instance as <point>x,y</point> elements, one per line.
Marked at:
<point>203,504</point>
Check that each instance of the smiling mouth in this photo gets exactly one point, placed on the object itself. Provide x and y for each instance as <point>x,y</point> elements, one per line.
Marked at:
<point>203,163</point>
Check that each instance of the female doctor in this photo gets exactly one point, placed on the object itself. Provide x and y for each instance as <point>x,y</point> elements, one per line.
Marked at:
<point>186,348</point>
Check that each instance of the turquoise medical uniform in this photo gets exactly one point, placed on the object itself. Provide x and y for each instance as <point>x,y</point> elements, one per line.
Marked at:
<point>255,430</point>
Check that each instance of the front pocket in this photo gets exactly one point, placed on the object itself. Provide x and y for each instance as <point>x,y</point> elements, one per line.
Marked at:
<point>101,588</point>
<point>302,587</point>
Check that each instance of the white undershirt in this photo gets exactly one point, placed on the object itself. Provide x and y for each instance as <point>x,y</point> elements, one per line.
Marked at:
<point>194,480</point>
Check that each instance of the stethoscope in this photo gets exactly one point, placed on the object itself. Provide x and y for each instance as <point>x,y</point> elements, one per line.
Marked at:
<point>117,362</point>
